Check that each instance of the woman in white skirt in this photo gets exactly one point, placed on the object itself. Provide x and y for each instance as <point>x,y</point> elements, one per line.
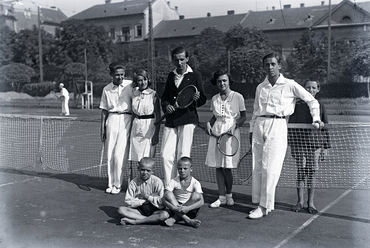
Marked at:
<point>228,114</point>
<point>146,109</point>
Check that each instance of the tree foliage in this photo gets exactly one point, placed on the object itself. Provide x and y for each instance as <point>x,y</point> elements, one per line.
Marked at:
<point>7,41</point>
<point>13,76</point>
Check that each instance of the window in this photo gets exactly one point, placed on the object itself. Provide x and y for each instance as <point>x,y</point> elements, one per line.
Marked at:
<point>346,19</point>
<point>139,30</point>
<point>112,33</point>
<point>125,34</point>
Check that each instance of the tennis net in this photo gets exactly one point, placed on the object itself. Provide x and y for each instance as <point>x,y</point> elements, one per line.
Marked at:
<point>72,145</point>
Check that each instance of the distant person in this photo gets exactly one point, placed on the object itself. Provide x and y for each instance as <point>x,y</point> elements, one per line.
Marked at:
<point>228,114</point>
<point>64,95</point>
<point>180,123</point>
<point>146,109</point>
<point>144,197</point>
<point>308,147</point>
<point>183,196</point>
<point>116,124</point>
<point>274,101</point>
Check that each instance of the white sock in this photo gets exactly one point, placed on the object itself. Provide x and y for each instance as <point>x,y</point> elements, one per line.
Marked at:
<point>229,195</point>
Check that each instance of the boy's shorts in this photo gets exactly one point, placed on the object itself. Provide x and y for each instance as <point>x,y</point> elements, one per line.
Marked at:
<point>191,214</point>
<point>147,209</point>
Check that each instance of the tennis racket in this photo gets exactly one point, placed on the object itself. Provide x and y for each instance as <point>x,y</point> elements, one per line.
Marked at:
<point>227,143</point>
<point>101,158</point>
<point>244,169</point>
<point>183,100</point>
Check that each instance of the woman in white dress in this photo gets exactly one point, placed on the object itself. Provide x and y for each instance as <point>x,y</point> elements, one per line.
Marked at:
<point>146,109</point>
<point>228,114</point>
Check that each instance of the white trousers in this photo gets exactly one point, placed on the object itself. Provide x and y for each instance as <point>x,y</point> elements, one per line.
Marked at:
<point>65,107</point>
<point>269,146</point>
<point>117,144</point>
<point>180,137</point>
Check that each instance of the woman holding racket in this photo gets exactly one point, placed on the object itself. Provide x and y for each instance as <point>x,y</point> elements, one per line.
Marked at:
<point>228,114</point>
<point>145,108</point>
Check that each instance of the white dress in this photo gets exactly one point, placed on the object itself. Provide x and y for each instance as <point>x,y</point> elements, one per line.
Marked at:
<point>227,112</point>
<point>142,129</point>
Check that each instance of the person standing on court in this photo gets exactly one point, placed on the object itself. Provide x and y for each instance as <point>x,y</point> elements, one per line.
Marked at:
<point>180,123</point>
<point>116,124</point>
<point>65,99</point>
<point>274,102</point>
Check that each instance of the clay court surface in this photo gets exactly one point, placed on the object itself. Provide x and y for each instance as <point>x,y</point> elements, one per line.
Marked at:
<point>45,208</point>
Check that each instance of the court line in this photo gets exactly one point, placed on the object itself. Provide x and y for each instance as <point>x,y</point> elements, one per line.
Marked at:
<point>11,183</point>
<point>309,221</point>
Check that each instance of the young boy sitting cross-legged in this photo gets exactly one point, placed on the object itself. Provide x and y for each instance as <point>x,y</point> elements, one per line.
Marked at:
<point>144,197</point>
<point>183,196</point>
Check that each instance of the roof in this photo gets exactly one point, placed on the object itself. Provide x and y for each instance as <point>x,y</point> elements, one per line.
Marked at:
<point>194,26</point>
<point>113,10</point>
<point>51,16</point>
<point>291,18</point>
<point>364,5</point>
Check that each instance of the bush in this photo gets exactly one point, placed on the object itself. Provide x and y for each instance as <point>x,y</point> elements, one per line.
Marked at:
<point>40,89</point>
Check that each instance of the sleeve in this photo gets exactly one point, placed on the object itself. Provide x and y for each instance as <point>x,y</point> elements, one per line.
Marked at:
<point>325,131</point>
<point>197,187</point>
<point>171,185</point>
<point>156,198</point>
<point>312,103</point>
<point>241,102</point>
<point>165,96</point>
<point>103,101</point>
<point>255,110</point>
<point>199,84</point>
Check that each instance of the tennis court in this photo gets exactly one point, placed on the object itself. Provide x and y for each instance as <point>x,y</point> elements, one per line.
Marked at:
<point>52,196</point>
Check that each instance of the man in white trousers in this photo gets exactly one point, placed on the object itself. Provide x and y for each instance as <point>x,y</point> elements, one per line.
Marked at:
<point>274,103</point>
<point>180,123</point>
<point>64,95</point>
<point>116,124</point>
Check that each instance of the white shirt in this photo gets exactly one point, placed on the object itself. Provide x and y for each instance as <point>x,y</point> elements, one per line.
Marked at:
<point>64,93</point>
<point>280,99</point>
<point>183,194</point>
<point>117,98</point>
<point>179,78</point>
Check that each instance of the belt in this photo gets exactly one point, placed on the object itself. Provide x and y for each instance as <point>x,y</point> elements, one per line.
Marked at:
<point>121,113</point>
<point>145,116</point>
<point>273,116</point>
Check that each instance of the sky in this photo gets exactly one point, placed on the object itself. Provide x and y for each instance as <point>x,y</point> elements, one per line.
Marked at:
<point>188,8</point>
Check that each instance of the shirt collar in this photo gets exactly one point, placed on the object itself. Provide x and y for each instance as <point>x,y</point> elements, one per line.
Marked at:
<point>188,69</point>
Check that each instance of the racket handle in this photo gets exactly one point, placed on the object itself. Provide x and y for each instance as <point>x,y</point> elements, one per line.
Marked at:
<point>157,122</point>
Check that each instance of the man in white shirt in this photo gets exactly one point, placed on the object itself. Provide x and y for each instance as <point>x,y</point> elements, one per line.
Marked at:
<point>65,99</point>
<point>274,103</point>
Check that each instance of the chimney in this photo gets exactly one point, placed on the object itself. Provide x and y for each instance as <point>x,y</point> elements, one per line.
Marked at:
<point>108,1</point>
<point>273,7</point>
<point>302,5</point>
<point>208,14</point>
<point>287,6</point>
<point>176,8</point>
<point>322,3</point>
<point>168,3</point>
<point>230,12</point>
<point>182,17</point>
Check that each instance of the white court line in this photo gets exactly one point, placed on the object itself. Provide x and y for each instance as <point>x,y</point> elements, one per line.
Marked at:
<point>299,229</point>
<point>6,184</point>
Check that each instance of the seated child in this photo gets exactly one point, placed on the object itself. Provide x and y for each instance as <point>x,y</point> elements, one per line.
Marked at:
<point>183,195</point>
<point>144,197</point>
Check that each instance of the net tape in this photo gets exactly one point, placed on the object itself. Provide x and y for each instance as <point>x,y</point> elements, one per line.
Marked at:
<point>71,145</point>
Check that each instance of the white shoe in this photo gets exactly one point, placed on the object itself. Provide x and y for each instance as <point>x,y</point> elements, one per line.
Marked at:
<point>217,204</point>
<point>115,190</point>
<point>257,213</point>
<point>109,190</point>
<point>229,201</point>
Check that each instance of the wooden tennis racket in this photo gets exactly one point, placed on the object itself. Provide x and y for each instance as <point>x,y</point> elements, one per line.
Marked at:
<point>227,143</point>
<point>101,158</point>
<point>183,100</point>
<point>244,169</point>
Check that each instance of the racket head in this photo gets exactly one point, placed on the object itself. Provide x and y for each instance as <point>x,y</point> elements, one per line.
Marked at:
<point>228,144</point>
<point>245,167</point>
<point>185,97</point>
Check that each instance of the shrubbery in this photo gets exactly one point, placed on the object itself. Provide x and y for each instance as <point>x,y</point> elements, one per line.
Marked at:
<point>40,89</point>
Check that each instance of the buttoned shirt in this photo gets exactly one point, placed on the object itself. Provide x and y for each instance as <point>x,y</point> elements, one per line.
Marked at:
<point>117,98</point>
<point>180,77</point>
<point>153,187</point>
<point>280,99</point>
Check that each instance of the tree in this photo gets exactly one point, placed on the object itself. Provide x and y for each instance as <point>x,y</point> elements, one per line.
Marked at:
<point>13,76</point>
<point>7,37</point>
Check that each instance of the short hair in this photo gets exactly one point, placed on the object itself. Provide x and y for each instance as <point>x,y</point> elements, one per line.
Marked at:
<point>219,73</point>
<point>272,55</point>
<point>311,80</point>
<point>185,160</point>
<point>147,160</point>
<point>179,50</point>
<point>142,73</point>
<point>115,66</point>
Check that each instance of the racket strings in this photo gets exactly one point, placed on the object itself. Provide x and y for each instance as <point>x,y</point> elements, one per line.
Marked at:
<point>228,144</point>
<point>185,97</point>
